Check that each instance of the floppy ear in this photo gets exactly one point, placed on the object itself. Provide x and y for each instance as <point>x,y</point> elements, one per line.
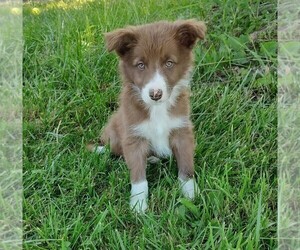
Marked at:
<point>121,40</point>
<point>189,31</point>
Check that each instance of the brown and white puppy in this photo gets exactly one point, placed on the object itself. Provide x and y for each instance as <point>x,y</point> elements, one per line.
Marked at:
<point>153,118</point>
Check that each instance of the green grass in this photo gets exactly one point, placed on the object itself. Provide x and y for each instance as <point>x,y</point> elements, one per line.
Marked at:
<point>288,128</point>
<point>10,128</point>
<point>77,200</point>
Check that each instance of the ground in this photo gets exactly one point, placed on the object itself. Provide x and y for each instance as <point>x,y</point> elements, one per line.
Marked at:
<point>77,200</point>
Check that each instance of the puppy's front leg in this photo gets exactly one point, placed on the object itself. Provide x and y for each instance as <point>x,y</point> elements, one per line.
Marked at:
<point>135,153</point>
<point>182,143</point>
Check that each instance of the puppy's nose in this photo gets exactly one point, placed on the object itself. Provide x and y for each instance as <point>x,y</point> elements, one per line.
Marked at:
<point>155,94</point>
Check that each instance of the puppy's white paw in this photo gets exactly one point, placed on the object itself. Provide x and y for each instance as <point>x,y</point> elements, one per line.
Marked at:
<point>139,194</point>
<point>153,159</point>
<point>189,188</point>
<point>99,149</point>
<point>96,149</point>
<point>138,204</point>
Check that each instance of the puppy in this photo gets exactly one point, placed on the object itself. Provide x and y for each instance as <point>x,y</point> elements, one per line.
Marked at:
<point>156,62</point>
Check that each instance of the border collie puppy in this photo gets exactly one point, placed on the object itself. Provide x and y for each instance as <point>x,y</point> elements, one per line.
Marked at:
<point>156,62</point>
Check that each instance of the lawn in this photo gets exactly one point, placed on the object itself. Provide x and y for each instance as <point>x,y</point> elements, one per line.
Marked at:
<point>77,200</point>
<point>10,126</point>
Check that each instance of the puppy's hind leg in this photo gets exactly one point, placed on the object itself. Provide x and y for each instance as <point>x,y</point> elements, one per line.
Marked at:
<point>110,136</point>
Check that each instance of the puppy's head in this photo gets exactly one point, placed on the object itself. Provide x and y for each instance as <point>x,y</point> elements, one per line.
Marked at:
<point>156,57</point>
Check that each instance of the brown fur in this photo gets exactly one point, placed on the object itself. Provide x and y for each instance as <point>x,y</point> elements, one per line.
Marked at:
<point>153,44</point>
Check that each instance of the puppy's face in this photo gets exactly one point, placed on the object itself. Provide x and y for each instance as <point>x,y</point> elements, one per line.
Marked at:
<point>156,57</point>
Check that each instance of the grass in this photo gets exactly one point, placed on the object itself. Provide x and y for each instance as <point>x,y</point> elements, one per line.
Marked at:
<point>10,127</point>
<point>77,200</point>
<point>288,128</point>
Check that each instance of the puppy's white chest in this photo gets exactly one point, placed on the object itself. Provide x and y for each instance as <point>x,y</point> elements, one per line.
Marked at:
<point>158,127</point>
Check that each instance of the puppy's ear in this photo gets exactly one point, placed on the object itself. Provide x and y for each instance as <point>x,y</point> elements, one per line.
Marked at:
<point>189,31</point>
<point>121,41</point>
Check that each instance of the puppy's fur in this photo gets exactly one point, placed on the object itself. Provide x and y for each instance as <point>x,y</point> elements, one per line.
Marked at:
<point>153,118</point>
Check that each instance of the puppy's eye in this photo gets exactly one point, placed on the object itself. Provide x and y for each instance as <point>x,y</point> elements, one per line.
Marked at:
<point>141,66</point>
<point>169,64</point>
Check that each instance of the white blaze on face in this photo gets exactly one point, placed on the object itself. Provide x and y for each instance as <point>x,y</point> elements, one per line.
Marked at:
<point>155,83</point>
